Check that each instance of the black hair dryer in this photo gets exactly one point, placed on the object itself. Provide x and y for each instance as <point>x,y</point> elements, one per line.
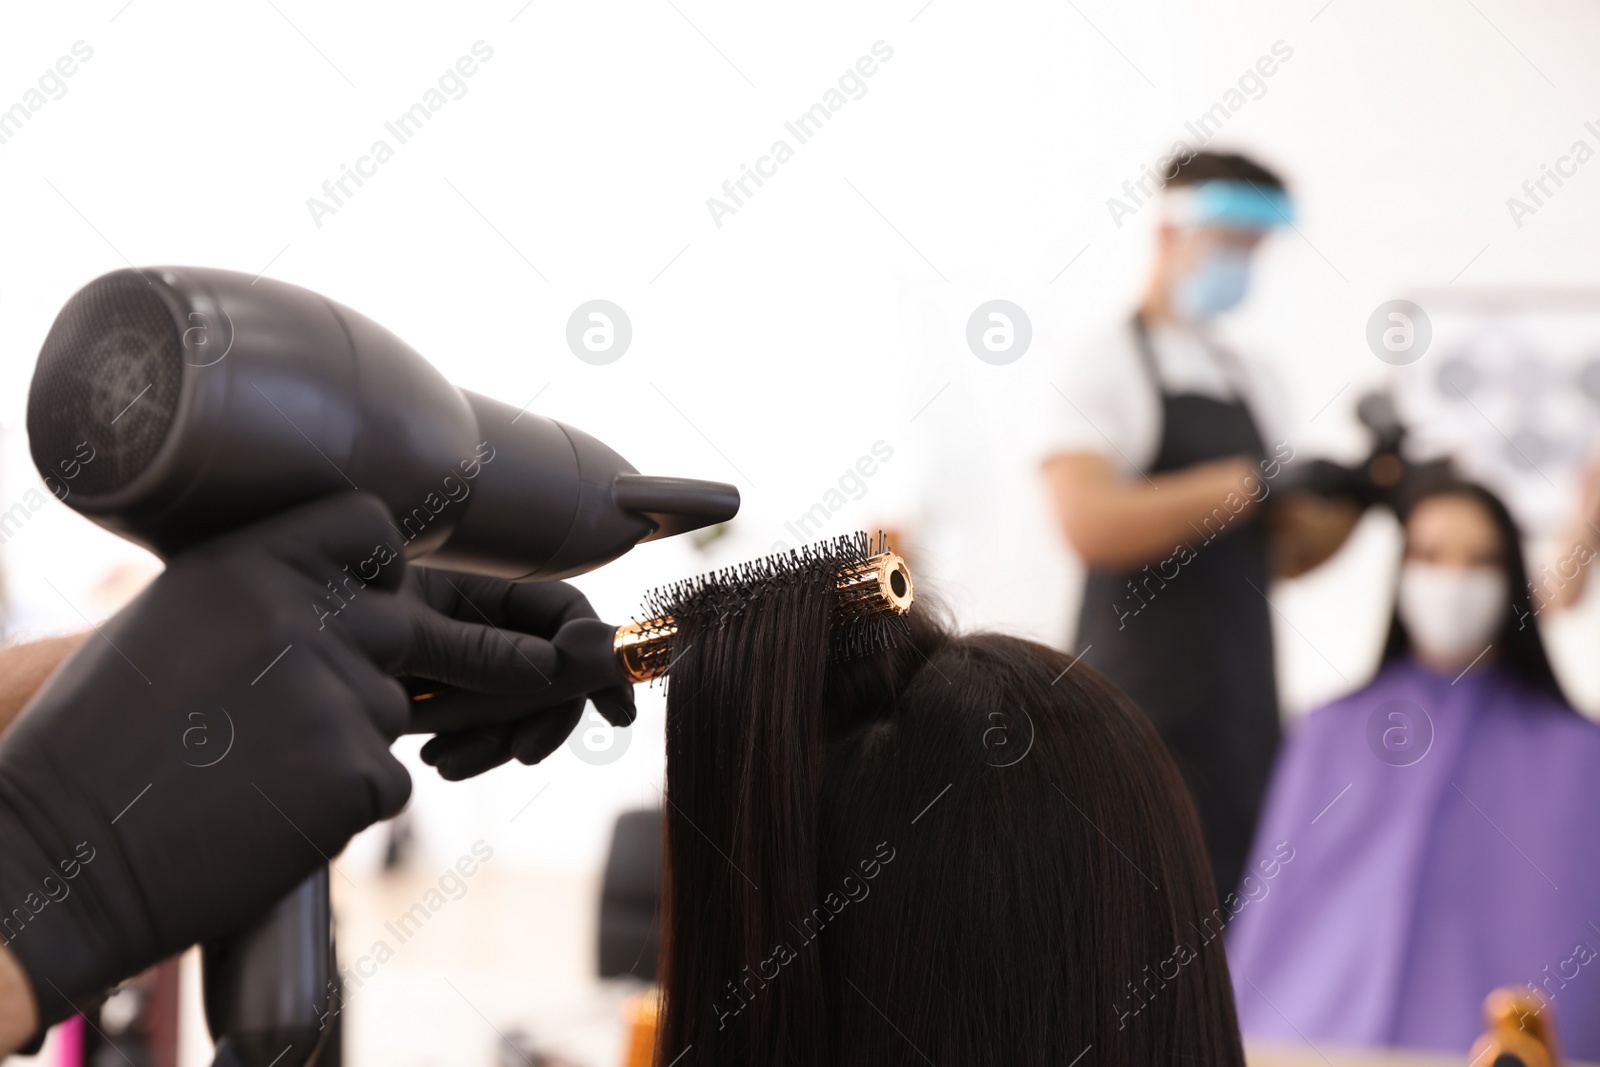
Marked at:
<point>1382,478</point>
<point>208,399</point>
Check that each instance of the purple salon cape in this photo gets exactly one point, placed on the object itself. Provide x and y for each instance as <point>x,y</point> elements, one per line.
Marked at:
<point>1446,841</point>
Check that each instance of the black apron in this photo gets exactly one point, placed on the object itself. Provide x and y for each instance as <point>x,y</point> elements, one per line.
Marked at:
<point>1190,640</point>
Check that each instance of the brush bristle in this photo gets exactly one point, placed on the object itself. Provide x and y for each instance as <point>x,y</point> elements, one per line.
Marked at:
<point>730,592</point>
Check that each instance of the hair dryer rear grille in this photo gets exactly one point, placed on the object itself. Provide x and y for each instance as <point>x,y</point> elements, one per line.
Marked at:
<point>110,374</point>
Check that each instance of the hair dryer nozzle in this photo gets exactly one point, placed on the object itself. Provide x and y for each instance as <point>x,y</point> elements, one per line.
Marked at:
<point>1378,414</point>
<point>675,505</point>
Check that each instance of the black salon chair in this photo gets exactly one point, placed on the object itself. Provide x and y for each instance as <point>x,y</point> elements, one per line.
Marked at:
<point>630,897</point>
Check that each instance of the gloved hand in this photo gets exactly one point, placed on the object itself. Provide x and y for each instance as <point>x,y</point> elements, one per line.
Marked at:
<point>522,705</point>
<point>1324,478</point>
<point>213,744</point>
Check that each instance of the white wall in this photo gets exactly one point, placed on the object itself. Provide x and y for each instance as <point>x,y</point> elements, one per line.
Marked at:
<point>828,311</point>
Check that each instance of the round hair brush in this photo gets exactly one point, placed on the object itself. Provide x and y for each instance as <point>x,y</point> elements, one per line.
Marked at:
<point>872,591</point>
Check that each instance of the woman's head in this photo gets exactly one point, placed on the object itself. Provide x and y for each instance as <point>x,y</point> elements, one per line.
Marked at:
<point>1454,594</point>
<point>1463,590</point>
<point>1455,528</point>
<point>960,849</point>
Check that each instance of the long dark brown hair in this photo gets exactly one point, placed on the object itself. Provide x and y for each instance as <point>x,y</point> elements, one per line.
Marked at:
<point>957,850</point>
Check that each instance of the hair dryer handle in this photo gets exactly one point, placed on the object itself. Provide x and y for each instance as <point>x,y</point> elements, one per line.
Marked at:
<point>268,987</point>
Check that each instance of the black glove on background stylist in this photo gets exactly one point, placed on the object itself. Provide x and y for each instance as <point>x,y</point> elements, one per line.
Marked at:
<point>215,742</point>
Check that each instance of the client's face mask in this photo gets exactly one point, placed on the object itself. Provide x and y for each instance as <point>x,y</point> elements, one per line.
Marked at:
<point>1216,283</point>
<point>1452,613</point>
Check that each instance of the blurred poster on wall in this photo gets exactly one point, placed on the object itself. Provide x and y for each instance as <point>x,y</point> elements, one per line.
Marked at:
<point>1510,387</point>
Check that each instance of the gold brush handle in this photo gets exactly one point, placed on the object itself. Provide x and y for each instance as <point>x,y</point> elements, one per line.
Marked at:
<point>878,586</point>
<point>644,649</point>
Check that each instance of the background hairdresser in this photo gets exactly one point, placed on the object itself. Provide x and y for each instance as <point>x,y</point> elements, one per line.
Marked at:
<point>1157,485</point>
<point>121,844</point>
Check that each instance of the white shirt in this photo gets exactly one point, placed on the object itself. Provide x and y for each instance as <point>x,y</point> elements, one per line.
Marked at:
<point>1112,408</point>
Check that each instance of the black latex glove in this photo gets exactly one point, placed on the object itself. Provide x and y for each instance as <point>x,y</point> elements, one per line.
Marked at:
<point>217,740</point>
<point>1324,478</point>
<point>1318,476</point>
<point>525,703</point>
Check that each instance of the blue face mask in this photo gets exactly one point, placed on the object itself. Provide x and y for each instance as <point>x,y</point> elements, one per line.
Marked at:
<point>1215,285</point>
